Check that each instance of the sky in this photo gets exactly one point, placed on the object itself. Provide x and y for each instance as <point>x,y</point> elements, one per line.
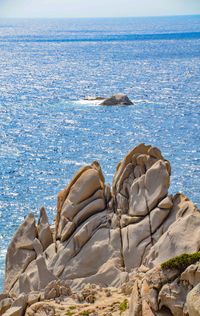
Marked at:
<point>96,8</point>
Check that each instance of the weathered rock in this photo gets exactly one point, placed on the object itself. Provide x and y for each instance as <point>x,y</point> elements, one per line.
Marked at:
<point>173,296</point>
<point>40,308</point>
<point>103,236</point>
<point>82,198</point>
<point>191,274</point>
<point>33,298</point>
<point>83,230</point>
<point>104,242</point>
<point>166,203</point>
<point>182,236</point>
<point>44,275</point>
<point>117,99</point>
<point>162,291</point>
<point>140,184</point>
<point>44,230</point>
<point>20,251</point>
<point>193,301</point>
<point>142,180</point>
<point>135,302</point>
<point>5,303</point>
<point>18,307</point>
<point>149,296</point>
<point>56,289</point>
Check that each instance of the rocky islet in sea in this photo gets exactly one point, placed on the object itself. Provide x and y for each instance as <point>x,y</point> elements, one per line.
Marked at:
<point>116,99</point>
<point>106,240</point>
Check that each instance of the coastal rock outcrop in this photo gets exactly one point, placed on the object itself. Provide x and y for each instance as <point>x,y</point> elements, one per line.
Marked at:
<point>163,291</point>
<point>102,236</point>
<point>117,99</point>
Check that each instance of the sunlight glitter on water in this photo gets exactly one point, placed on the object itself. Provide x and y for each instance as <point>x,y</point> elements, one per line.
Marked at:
<point>48,131</point>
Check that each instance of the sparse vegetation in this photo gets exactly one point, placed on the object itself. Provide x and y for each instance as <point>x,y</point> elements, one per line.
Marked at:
<point>181,262</point>
<point>69,313</point>
<point>123,306</point>
<point>85,313</point>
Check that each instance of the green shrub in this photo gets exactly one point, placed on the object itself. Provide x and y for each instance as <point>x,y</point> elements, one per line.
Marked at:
<point>181,262</point>
<point>123,306</point>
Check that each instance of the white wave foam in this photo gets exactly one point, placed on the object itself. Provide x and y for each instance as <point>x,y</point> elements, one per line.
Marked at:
<point>142,101</point>
<point>88,102</point>
<point>74,162</point>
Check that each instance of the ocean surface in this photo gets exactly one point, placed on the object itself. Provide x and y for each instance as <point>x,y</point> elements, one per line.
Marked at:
<point>48,131</point>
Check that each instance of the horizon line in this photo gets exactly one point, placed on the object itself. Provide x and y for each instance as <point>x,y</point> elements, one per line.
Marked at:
<point>99,17</point>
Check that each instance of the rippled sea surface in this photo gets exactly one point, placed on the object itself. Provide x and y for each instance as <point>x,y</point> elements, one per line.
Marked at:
<point>47,130</point>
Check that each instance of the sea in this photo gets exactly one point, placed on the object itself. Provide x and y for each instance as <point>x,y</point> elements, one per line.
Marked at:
<point>48,67</point>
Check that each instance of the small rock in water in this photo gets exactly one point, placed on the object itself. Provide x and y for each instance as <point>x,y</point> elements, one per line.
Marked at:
<point>117,99</point>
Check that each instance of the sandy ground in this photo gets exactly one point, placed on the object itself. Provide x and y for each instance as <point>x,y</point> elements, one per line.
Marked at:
<point>107,302</point>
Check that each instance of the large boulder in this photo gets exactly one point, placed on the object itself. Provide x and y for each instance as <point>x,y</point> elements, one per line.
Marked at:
<point>44,231</point>
<point>18,307</point>
<point>20,251</point>
<point>101,236</point>
<point>182,234</point>
<point>139,190</point>
<point>117,99</point>
<point>82,198</point>
<point>193,301</point>
<point>163,292</point>
<point>84,230</point>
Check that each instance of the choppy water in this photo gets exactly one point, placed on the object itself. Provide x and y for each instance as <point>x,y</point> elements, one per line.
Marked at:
<point>47,131</point>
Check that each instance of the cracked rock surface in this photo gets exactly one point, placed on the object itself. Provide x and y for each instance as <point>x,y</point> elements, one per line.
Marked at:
<point>101,236</point>
<point>166,292</point>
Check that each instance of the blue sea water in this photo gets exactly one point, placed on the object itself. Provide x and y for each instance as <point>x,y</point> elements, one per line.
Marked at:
<point>47,130</point>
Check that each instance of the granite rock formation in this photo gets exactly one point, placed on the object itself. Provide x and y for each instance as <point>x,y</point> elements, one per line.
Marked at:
<point>193,299</point>
<point>117,99</point>
<point>102,236</point>
<point>162,291</point>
